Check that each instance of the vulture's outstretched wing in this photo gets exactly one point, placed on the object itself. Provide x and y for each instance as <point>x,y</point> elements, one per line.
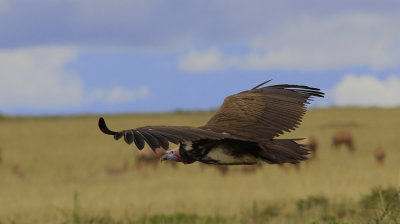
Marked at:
<point>159,136</point>
<point>262,113</point>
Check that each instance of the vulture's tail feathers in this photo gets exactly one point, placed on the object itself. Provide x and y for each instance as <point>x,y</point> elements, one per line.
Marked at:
<point>283,151</point>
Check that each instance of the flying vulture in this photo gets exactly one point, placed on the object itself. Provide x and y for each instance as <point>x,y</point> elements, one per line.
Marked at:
<point>242,131</point>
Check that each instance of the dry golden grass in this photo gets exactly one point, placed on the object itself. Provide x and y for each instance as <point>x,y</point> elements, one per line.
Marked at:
<point>47,160</point>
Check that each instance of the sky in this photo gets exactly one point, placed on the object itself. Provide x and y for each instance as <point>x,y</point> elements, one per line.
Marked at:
<point>136,56</point>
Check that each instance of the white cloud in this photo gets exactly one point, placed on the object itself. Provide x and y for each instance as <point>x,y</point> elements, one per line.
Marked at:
<point>195,61</point>
<point>119,94</point>
<point>337,41</point>
<point>35,77</point>
<point>309,43</point>
<point>4,5</point>
<point>367,91</point>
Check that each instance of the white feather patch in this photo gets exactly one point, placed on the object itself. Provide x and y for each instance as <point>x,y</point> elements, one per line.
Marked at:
<point>187,146</point>
<point>221,155</point>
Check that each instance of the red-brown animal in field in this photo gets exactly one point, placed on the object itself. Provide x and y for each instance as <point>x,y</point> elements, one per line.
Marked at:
<point>17,172</point>
<point>379,155</point>
<point>311,144</point>
<point>343,138</point>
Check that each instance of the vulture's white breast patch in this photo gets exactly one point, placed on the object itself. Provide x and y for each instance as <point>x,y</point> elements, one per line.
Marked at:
<point>222,155</point>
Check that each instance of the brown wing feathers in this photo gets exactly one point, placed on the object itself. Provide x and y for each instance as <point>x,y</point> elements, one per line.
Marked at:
<point>263,112</point>
<point>159,136</point>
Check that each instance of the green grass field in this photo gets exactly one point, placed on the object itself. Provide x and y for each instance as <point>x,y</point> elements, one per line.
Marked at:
<point>53,171</point>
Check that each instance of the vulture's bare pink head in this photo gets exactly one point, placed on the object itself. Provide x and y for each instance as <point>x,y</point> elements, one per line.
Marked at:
<point>172,154</point>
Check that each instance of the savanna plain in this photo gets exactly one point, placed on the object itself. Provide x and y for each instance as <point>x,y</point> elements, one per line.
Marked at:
<point>64,170</point>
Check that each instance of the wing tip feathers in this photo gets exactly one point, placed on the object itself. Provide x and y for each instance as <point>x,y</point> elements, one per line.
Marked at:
<point>103,127</point>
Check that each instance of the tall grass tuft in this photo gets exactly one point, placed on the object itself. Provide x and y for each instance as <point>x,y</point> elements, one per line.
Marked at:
<point>382,205</point>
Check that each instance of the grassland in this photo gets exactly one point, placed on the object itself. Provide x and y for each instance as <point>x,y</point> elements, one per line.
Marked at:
<point>53,171</point>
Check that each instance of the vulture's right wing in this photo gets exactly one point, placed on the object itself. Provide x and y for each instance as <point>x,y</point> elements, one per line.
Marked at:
<point>262,113</point>
<point>159,136</point>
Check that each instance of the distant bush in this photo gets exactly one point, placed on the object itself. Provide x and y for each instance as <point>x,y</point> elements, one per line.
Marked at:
<point>382,204</point>
<point>388,196</point>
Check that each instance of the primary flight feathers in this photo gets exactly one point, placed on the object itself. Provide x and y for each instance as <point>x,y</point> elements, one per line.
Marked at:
<point>159,136</point>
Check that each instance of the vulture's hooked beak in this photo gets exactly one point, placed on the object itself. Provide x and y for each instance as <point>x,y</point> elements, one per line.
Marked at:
<point>164,156</point>
<point>172,154</point>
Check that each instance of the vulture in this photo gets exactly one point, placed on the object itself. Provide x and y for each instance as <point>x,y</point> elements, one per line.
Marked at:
<point>242,131</point>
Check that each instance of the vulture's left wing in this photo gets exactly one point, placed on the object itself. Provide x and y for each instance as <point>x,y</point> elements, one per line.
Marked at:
<point>159,136</point>
<point>262,113</point>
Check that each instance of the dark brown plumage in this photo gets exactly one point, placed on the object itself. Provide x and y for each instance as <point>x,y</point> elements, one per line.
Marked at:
<point>242,131</point>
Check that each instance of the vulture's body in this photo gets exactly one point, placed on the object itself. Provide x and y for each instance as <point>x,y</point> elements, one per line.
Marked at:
<point>242,131</point>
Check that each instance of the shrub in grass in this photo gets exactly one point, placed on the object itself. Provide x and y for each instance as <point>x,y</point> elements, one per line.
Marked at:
<point>312,202</point>
<point>382,204</point>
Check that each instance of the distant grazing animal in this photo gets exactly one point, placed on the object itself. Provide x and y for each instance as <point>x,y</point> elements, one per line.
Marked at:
<point>17,172</point>
<point>117,170</point>
<point>379,155</point>
<point>242,131</point>
<point>148,158</point>
<point>311,143</point>
<point>343,138</point>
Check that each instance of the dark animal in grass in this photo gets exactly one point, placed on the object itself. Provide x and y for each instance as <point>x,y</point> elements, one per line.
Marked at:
<point>379,155</point>
<point>242,131</point>
<point>223,169</point>
<point>343,138</point>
